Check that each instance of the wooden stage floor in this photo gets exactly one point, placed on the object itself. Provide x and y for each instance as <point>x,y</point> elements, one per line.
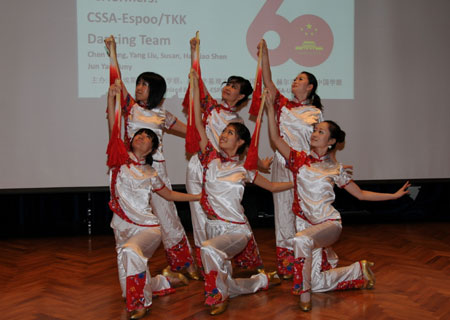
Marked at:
<point>76,278</point>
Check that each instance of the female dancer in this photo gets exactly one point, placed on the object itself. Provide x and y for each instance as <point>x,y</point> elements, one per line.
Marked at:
<point>136,228</point>
<point>216,117</point>
<point>147,112</point>
<point>315,174</point>
<point>296,119</point>
<point>228,232</point>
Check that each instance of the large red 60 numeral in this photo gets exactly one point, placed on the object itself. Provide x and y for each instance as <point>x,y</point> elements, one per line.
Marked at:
<point>308,40</point>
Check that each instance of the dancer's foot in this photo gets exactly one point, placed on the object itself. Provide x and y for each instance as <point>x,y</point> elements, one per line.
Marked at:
<point>176,279</point>
<point>368,274</point>
<point>219,308</point>
<point>305,301</point>
<point>272,278</point>
<point>138,314</point>
<point>288,276</point>
<point>192,272</point>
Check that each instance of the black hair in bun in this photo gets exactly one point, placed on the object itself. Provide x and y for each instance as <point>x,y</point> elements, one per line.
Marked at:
<point>335,133</point>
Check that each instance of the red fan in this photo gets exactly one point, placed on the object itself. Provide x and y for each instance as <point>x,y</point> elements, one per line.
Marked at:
<point>256,98</point>
<point>116,151</point>
<point>192,135</point>
<point>251,163</point>
<point>196,66</point>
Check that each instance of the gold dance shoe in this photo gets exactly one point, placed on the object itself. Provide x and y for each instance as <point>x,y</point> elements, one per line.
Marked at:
<point>183,281</point>
<point>368,274</point>
<point>305,306</point>
<point>219,308</point>
<point>274,279</point>
<point>288,276</point>
<point>194,275</point>
<point>138,314</point>
<point>193,272</point>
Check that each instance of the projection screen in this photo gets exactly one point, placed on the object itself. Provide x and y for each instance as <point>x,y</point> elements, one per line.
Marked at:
<point>382,68</point>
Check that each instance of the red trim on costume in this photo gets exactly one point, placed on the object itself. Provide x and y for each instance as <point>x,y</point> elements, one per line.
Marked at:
<point>325,264</point>
<point>297,287</point>
<point>296,160</point>
<point>170,127</point>
<point>135,291</point>
<point>179,256</point>
<point>351,284</point>
<point>198,260</point>
<point>212,294</point>
<point>256,174</point>
<point>249,258</point>
<point>159,189</point>
<point>285,261</point>
<point>164,292</point>
<point>343,186</point>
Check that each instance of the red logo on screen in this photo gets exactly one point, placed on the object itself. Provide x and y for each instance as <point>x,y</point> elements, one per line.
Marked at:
<point>308,39</point>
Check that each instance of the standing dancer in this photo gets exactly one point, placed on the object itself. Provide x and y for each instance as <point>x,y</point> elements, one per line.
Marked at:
<point>136,228</point>
<point>296,119</point>
<point>216,116</point>
<point>315,174</point>
<point>147,112</point>
<point>228,232</point>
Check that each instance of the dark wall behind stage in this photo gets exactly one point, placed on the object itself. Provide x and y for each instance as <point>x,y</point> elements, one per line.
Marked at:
<point>82,211</point>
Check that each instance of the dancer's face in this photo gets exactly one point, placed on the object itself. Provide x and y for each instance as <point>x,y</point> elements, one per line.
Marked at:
<point>301,85</point>
<point>142,90</point>
<point>320,138</point>
<point>229,141</point>
<point>142,144</point>
<point>231,93</point>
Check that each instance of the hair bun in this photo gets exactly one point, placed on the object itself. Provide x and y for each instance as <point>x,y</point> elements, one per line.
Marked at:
<point>341,136</point>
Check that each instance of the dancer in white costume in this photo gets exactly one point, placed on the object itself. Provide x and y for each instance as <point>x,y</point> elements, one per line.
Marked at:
<point>136,228</point>
<point>147,112</point>
<point>216,116</point>
<point>296,119</point>
<point>315,174</point>
<point>227,229</point>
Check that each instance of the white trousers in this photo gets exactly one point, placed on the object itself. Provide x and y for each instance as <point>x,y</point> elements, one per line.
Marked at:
<point>226,240</point>
<point>282,201</point>
<point>287,224</point>
<point>194,181</point>
<point>134,246</point>
<point>308,274</point>
<point>173,233</point>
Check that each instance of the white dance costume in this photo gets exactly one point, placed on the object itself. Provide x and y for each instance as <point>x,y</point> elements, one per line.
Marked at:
<point>319,222</point>
<point>227,229</point>
<point>296,121</point>
<point>215,117</point>
<point>174,238</point>
<point>137,232</point>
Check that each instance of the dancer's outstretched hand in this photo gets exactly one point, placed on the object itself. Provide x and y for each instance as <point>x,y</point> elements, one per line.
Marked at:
<point>402,191</point>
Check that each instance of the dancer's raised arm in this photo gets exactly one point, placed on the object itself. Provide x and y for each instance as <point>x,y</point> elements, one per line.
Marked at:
<point>265,64</point>
<point>197,111</point>
<point>278,141</point>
